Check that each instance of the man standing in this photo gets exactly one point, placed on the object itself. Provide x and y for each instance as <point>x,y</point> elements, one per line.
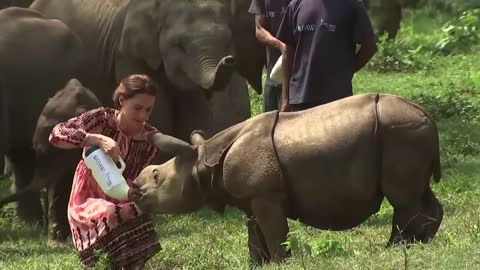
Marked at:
<point>320,57</point>
<point>268,16</point>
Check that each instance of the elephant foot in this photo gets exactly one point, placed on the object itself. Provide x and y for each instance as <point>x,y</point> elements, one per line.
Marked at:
<point>56,234</point>
<point>55,243</point>
<point>28,214</point>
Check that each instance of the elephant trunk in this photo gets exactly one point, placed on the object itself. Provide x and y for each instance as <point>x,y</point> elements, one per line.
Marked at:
<point>215,78</point>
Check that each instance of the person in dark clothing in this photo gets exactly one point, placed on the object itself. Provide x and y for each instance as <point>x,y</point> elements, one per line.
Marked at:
<point>320,55</point>
<point>268,16</point>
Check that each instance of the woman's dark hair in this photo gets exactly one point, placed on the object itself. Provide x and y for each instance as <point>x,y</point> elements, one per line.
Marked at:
<point>133,85</point>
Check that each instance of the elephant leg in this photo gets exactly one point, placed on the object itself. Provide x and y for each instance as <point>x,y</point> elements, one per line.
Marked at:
<point>28,207</point>
<point>6,167</point>
<point>59,194</point>
<point>390,18</point>
<point>257,247</point>
<point>2,164</point>
<point>45,203</point>
<point>418,222</point>
<point>193,110</point>
<point>4,119</point>
<point>272,220</point>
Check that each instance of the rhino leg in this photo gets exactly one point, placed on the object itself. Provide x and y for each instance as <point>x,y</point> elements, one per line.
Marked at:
<point>417,223</point>
<point>257,247</point>
<point>272,220</point>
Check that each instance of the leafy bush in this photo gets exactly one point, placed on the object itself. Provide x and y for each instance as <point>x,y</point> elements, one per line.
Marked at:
<point>456,146</point>
<point>451,104</point>
<point>462,33</point>
<point>396,56</point>
<point>435,6</point>
<point>457,142</point>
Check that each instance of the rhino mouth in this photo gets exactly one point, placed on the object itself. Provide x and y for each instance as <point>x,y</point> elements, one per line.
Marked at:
<point>137,192</point>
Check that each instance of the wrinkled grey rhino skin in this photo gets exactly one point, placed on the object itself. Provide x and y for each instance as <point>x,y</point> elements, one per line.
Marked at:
<point>38,57</point>
<point>180,44</point>
<point>54,167</point>
<point>330,167</point>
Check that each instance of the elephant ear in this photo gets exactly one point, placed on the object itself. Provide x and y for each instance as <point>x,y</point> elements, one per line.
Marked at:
<point>250,55</point>
<point>140,33</point>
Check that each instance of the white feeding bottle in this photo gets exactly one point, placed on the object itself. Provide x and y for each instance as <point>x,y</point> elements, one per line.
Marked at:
<point>277,71</point>
<point>108,176</point>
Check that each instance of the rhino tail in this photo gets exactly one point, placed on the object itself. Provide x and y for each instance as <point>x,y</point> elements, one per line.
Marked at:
<point>436,167</point>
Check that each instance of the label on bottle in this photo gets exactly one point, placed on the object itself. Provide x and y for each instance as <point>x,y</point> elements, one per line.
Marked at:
<point>109,178</point>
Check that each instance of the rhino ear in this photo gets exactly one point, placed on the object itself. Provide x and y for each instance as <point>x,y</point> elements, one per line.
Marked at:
<point>171,145</point>
<point>140,33</point>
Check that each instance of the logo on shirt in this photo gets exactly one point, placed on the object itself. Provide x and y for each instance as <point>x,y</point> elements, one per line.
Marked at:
<point>273,13</point>
<point>328,26</point>
<point>305,28</point>
<point>311,27</point>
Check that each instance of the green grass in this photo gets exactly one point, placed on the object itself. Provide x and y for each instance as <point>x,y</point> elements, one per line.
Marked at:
<point>449,85</point>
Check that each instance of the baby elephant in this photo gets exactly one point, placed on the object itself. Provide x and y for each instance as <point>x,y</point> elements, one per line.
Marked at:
<point>330,167</point>
<point>54,167</point>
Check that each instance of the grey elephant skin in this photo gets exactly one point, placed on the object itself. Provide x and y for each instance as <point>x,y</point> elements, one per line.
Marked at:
<point>38,56</point>
<point>330,167</point>
<point>186,46</point>
<point>54,167</point>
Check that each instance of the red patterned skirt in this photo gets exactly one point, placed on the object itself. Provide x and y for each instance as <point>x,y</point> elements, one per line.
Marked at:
<point>98,222</point>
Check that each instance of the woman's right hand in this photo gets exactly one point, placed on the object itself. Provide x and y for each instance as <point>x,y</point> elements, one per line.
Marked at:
<point>107,144</point>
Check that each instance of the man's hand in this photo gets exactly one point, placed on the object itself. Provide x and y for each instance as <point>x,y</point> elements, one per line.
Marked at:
<point>266,37</point>
<point>287,65</point>
<point>285,107</point>
<point>367,49</point>
<point>282,47</point>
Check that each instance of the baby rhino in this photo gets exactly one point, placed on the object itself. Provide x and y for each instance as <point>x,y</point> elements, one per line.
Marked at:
<point>330,167</point>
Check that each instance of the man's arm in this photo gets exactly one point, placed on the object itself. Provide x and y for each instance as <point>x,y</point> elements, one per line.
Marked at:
<point>363,34</point>
<point>368,48</point>
<point>287,66</point>
<point>266,37</point>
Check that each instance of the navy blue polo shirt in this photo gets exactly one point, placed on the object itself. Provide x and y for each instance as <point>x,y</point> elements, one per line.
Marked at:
<point>273,10</point>
<point>323,34</point>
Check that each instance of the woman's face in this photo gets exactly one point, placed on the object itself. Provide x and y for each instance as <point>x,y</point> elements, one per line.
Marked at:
<point>137,109</point>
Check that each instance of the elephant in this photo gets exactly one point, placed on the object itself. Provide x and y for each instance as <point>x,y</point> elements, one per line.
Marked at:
<point>39,56</point>
<point>189,47</point>
<point>330,167</point>
<point>73,100</point>
<point>389,14</point>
